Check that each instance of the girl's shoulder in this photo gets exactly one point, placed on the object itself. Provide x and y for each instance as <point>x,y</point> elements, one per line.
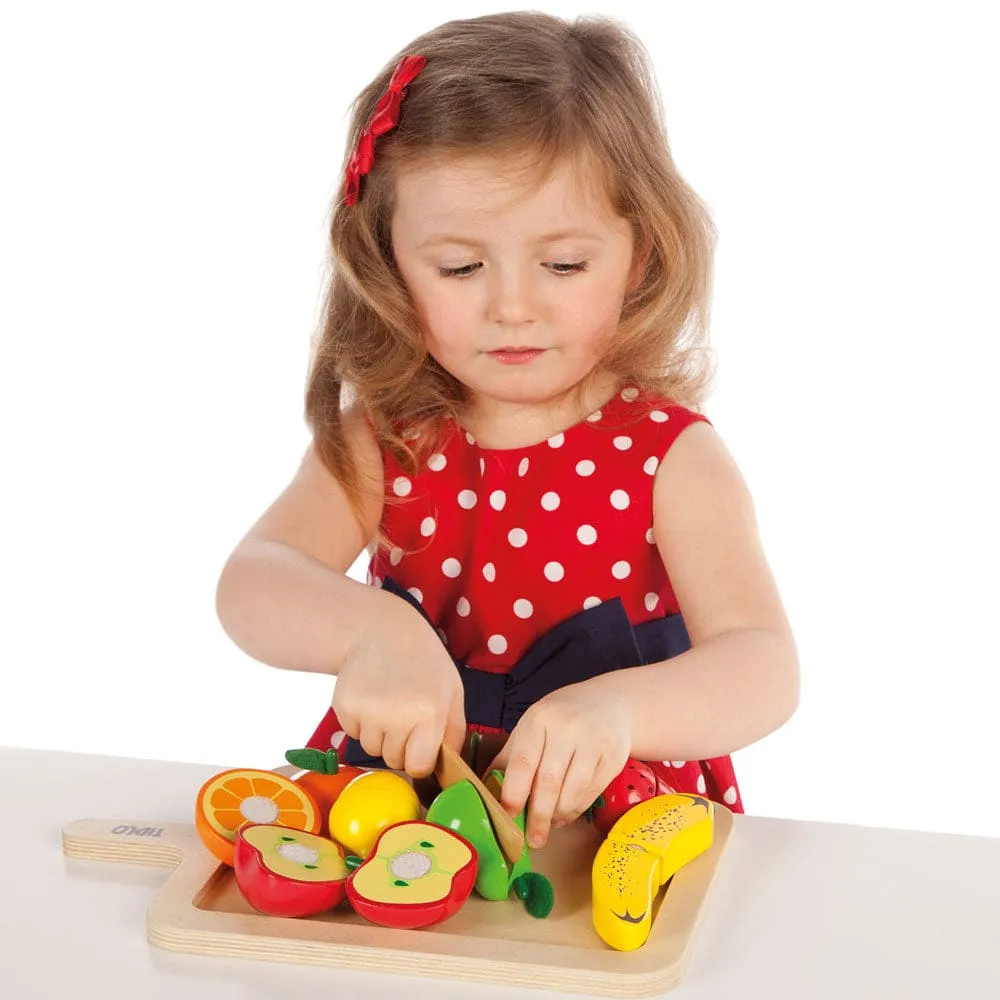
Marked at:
<point>655,418</point>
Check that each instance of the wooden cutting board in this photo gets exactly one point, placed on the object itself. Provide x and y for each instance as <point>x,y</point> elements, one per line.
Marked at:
<point>199,909</point>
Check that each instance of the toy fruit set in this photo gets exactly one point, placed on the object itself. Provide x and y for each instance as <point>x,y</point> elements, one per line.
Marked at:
<point>299,846</point>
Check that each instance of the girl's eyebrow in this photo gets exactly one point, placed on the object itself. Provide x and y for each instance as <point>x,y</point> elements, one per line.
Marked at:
<point>550,238</point>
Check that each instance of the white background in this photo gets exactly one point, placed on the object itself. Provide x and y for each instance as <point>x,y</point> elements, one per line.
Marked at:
<point>165,183</point>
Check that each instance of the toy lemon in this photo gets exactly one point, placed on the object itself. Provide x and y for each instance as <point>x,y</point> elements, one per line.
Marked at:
<point>367,805</point>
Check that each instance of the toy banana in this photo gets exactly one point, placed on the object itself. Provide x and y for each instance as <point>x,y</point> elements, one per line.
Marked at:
<point>643,851</point>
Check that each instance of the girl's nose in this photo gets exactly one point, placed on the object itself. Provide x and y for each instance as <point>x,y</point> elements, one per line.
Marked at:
<point>510,297</point>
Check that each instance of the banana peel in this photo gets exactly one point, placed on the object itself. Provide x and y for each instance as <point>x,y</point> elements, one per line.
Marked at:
<point>645,848</point>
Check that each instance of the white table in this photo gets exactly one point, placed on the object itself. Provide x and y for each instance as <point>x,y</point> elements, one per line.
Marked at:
<point>802,911</point>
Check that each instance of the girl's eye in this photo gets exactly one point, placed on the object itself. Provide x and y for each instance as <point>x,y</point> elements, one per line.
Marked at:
<point>456,272</point>
<point>467,270</point>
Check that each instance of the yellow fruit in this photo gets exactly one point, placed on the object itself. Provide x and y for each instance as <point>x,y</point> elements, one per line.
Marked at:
<point>646,847</point>
<point>367,805</point>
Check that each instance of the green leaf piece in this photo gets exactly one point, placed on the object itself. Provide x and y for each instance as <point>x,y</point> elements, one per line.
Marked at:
<point>309,759</point>
<point>598,803</point>
<point>536,891</point>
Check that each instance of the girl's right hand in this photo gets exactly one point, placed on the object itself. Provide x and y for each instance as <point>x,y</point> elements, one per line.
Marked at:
<point>399,693</point>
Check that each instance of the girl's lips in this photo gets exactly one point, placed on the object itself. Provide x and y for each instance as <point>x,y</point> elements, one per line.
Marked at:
<point>516,356</point>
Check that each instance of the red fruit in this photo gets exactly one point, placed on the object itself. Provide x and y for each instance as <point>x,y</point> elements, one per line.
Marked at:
<point>635,783</point>
<point>664,783</point>
<point>417,875</point>
<point>288,873</point>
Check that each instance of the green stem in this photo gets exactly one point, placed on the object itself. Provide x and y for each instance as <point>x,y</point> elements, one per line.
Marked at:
<point>309,759</point>
<point>536,892</point>
<point>597,804</point>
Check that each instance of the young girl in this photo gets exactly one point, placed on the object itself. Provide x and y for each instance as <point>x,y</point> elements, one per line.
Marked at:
<point>504,406</point>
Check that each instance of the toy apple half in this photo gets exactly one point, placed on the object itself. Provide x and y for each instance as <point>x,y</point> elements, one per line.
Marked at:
<point>288,873</point>
<point>417,874</point>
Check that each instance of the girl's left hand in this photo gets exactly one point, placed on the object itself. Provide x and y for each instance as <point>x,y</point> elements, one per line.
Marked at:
<point>562,754</point>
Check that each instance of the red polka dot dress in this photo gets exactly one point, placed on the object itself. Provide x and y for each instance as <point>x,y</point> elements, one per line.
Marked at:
<point>500,548</point>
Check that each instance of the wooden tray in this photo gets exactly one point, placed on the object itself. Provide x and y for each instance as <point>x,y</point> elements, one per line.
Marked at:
<point>200,909</point>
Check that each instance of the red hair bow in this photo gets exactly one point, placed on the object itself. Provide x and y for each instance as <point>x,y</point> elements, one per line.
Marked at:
<point>384,117</point>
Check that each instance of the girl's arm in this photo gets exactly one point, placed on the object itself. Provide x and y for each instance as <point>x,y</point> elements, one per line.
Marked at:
<point>740,679</point>
<point>283,596</point>
<point>285,599</point>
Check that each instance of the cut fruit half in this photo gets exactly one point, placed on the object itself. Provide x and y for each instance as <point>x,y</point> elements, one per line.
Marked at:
<point>233,798</point>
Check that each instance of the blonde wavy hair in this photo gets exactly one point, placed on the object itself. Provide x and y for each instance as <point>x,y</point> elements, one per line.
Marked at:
<point>521,87</point>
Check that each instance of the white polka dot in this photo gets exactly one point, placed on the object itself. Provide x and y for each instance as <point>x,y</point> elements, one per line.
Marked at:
<point>650,465</point>
<point>620,570</point>
<point>701,784</point>
<point>482,467</point>
<point>395,555</point>
<point>650,537</point>
<point>587,534</point>
<point>427,526</point>
<point>651,601</point>
<point>729,796</point>
<point>436,462</point>
<point>467,499</point>
<point>594,417</point>
<point>550,500</point>
<point>442,636</point>
<point>411,435</point>
<point>497,644</point>
<point>620,499</point>
<point>463,607</point>
<point>337,738</point>
<point>417,593</point>
<point>585,468</point>
<point>591,602</point>
<point>469,438</point>
<point>497,499</point>
<point>523,608</point>
<point>556,441</point>
<point>490,572</point>
<point>451,567</point>
<point>623,442</point>
<point>517,537</point>
<point>522,467</point>
<point>402,486</point>
<point>554,571</point>
<point>630,395</point>
<point>378,581</point>
<point>678,763</point>
<point>658,417</point>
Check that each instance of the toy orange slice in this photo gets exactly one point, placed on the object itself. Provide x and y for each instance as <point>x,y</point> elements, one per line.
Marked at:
<point>232,799</point>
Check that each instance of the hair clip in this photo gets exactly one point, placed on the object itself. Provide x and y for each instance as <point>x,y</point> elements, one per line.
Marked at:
<point>383,118</point>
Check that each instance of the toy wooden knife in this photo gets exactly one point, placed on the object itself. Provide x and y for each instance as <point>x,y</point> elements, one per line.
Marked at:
<point>450,770</point>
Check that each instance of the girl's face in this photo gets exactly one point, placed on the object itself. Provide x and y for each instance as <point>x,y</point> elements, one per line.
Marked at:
<point>515,289</point>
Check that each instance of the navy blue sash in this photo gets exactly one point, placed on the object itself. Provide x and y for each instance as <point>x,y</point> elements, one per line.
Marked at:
<point>591,642</point>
